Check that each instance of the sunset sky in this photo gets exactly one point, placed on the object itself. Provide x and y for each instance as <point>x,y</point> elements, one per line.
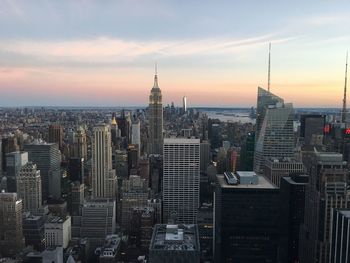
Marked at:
<point>102,53</point>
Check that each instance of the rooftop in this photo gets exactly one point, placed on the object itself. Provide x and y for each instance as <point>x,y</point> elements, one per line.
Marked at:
<point>263,183</point>
<point>175,237</point>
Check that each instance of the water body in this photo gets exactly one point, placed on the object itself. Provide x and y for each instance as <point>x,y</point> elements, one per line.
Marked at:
<point>230,115</point>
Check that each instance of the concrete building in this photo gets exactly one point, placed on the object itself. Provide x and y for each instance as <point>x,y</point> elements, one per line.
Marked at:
<point>134,194</point>
<point>312,128</point>
<point>98,220</point>
<point>47,157</point>
<point>246,219</point>
<point>155,116</point>
<point>181,176</point>
<point>104,180</point>
<point>29,188</point>
<point>34,231</point>
<point>340,236</point>
<point>11,230</point>
<point>174,244</point>
<point>56,135</point>
<point>58,232</point>
<point>135,134</point>
<point>79,147</point>
<point>327,190</point>
<point>276,168</point>
<point>110,250</point>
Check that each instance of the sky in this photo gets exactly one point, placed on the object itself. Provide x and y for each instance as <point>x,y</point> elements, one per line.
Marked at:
<point>102,53</point>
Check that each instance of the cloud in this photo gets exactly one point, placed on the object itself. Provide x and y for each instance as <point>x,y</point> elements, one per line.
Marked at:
<point>114,50</point>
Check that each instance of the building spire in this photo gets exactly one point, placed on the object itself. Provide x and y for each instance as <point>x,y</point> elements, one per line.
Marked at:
<point>343,115</point>
<point>155,85</point>
<point>269,69</point>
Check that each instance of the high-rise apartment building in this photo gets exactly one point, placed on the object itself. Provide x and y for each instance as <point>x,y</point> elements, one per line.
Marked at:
<point>155,115</point>
<point>104,179</point>
<point>56,135</point>
<point>181,176</point>
<point>276,135</point>
<point>29,188</point>
<point>327,190</point>
<point>11,230</point>
<point>47,157</point>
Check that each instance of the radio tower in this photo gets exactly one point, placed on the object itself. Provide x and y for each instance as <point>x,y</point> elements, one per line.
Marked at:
<point>343,113</point>
<point>268,73</point>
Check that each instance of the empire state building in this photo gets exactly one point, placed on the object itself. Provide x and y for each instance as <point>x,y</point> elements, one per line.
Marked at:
<point>155,119</point>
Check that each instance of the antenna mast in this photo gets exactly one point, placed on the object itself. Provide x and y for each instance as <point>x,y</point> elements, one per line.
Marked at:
<point>343,117</point>
<point>268,76</point>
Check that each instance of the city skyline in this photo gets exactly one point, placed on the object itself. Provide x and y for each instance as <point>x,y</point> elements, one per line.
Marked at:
<point>90,54</point>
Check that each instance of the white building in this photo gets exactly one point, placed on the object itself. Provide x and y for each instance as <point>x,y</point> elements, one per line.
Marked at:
<point>104,179</point>
<point>58,232</point>
<point>29,187</point>
<point>181,174</point>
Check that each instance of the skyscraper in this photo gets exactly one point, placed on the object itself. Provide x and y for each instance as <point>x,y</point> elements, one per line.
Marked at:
<point>135,133</point>
<point>265,98</point>
<point>340,236</point>
<point>14,162</point>
<point>11,231</point>
<point>155,112</point>
<point>29,188</point>
<point>246,219</point>
<point>47,157</point>
<point>104,179</point>
<point>184,104</point>
<point>327,189</point>
<point>181,174</point>
<point>312,126</point>
<point>79,147</point>
<point>275,133</point>
<point>56,135</point>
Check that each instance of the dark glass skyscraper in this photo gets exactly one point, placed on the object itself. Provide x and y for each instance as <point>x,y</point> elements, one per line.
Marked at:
<point>246,220</point>
<point>47,157</point>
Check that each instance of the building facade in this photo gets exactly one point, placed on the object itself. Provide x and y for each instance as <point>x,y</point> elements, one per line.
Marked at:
<point>246,220</point>
<point>29,188</point>
<point>155,113</point>
<point>327,190</point>
<point>181,179</point>
<point>104,179</point>
<point>47,157</point>
<point>11,230</point>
